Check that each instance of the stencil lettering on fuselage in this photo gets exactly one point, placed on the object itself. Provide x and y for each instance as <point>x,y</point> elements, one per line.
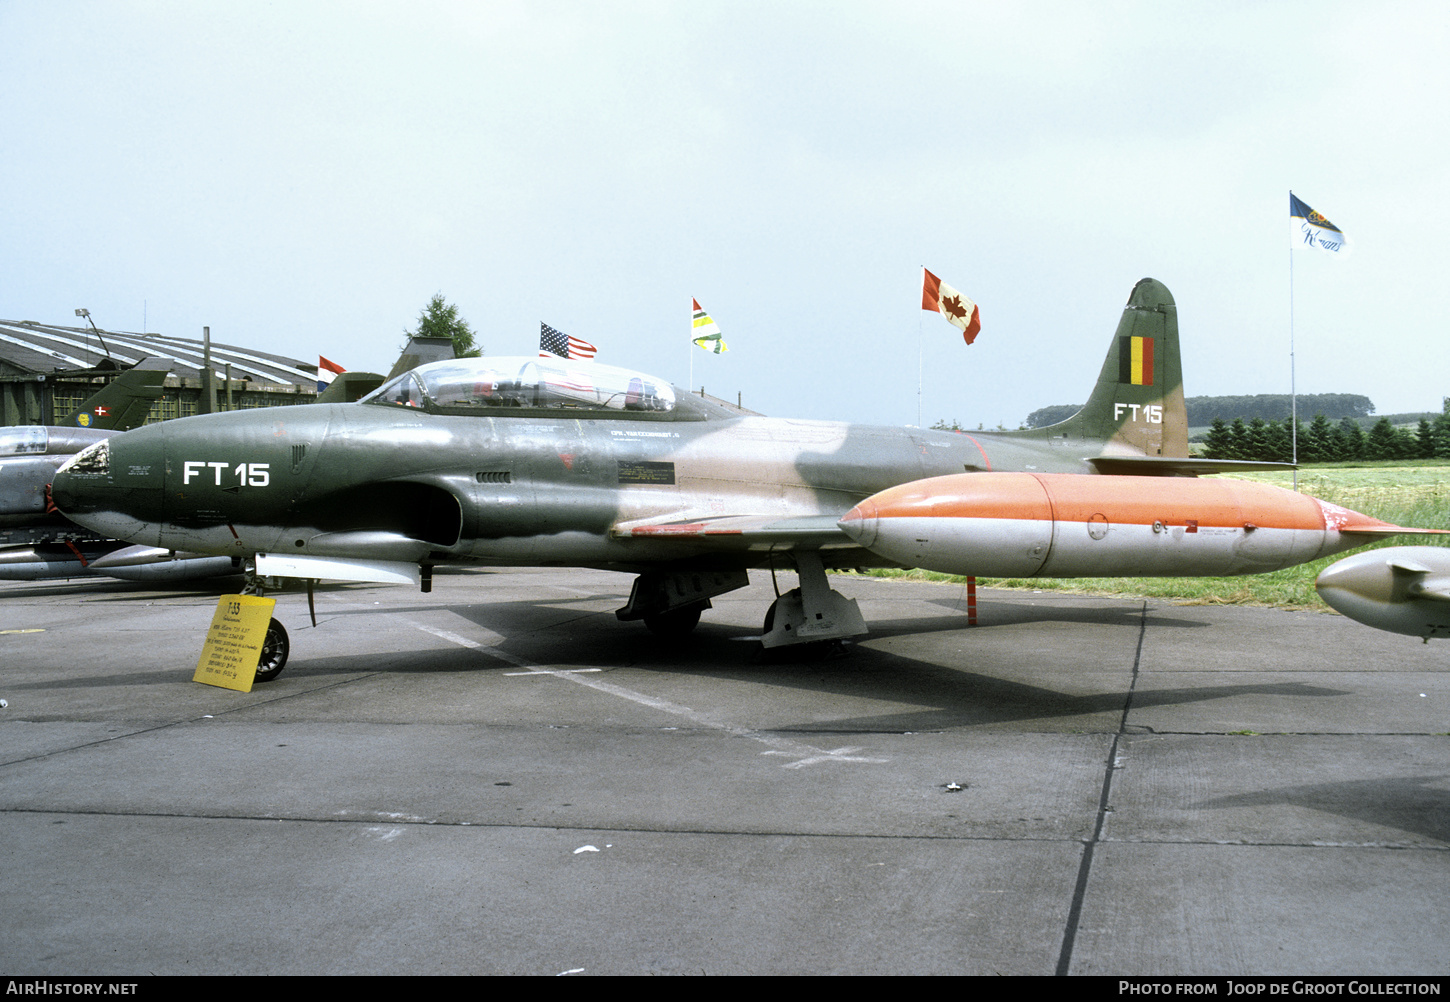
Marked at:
<point>646,472</point>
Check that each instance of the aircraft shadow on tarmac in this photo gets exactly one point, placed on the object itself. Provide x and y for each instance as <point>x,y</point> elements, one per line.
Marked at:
<point>1413,804</point>
<point>996,617</point>
<point>980,690</point>
<point>1124,612</point>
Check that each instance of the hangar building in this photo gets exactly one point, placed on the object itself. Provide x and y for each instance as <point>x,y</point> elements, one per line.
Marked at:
<point>46,371</point>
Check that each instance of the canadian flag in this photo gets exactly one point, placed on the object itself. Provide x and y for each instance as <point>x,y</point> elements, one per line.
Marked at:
<point>958,310</point>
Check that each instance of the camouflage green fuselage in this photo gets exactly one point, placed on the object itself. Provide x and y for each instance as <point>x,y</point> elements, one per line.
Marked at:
<point>401,483</point>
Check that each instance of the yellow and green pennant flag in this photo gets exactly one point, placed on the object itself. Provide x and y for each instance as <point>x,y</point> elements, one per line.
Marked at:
<point>704,332</point>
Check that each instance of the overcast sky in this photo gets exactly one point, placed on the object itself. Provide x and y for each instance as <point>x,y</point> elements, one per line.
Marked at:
<point>302,177</point>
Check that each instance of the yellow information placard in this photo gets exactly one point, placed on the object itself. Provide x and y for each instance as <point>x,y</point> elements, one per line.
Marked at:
<point>234,642</point>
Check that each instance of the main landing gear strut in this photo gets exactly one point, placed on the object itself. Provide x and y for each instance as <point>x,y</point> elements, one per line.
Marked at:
<point>670,603</point>
<point>812,613</point>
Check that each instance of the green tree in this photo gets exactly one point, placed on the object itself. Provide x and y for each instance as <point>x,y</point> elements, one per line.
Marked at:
<point>1258,445</point>
<point>1405,444</point>
<point>1219,442</point>
<point>1240,433</point>
<point>1385,441</point>
<point>1425,440</point>
<point>1349,437</point>
<point>440,319</point>
<point>1317,445</point>
<point>1442,432</point>
<point>1277,447</point>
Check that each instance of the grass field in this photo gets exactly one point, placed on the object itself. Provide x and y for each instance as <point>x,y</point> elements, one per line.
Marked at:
<point>1414,494</point>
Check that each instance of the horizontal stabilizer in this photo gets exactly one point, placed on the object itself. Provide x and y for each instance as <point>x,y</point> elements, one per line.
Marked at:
<point>1172,466</point>
<point>1392,530</point>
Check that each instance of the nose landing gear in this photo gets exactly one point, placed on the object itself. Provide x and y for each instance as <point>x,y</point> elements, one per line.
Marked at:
<point>274,653</point>
<point>276,646</point>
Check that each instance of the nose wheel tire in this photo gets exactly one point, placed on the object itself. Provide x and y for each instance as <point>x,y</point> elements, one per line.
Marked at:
<point>274,653</point>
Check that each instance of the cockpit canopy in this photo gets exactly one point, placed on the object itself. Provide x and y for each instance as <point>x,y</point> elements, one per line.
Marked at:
<point>504,385</point>
<point>24,440</point>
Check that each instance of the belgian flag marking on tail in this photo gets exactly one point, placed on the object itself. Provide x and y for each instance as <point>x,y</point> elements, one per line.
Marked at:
<point>1135,361</point>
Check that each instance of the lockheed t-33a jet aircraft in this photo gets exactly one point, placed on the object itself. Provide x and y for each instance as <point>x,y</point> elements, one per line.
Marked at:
<point>550,462</point>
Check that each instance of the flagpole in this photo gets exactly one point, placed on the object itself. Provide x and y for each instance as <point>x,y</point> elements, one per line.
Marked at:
<point>919,356</point>
<point>918,371</point>
<point>1293,388</point>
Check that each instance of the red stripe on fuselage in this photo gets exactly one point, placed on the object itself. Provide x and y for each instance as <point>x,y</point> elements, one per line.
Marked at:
<point>983,451</point>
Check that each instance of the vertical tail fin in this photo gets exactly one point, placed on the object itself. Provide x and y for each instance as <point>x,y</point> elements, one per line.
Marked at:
<point>125,401</point>
<point>1137,406</point>
<point>421,351</point>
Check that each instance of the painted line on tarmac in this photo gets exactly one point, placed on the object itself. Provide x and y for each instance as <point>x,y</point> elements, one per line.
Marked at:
<point>800,753</point>
<point>551,671</point>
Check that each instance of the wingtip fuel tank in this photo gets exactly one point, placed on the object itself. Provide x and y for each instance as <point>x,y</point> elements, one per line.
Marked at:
<point>1400,589</point>
<point>1061,525</point>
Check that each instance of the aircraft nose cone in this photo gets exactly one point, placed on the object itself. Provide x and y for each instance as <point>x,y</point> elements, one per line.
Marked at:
<point>113,487</point>
<point>75,481</point>
<point>860,524</point>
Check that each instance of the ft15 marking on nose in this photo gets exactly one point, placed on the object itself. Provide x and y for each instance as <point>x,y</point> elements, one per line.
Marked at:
<point>247,474</point>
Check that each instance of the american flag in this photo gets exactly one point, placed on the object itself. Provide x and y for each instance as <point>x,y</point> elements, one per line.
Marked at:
<point>552,342</point>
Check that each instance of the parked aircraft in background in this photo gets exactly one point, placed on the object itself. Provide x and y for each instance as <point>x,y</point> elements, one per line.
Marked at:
<point>1402,589</point>
<point>40,544</point>
<point>37,542</point>
<point>553,462</point>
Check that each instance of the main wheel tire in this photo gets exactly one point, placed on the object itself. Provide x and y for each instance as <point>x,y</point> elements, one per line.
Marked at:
<point>675,623</point>
<point>274,653</point>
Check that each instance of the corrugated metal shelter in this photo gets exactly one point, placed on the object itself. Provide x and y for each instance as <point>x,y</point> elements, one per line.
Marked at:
<point>47,370</point>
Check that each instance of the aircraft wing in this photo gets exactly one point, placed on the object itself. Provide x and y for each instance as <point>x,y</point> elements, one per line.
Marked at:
<point>811,532</point>
<point>1172,466</point>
